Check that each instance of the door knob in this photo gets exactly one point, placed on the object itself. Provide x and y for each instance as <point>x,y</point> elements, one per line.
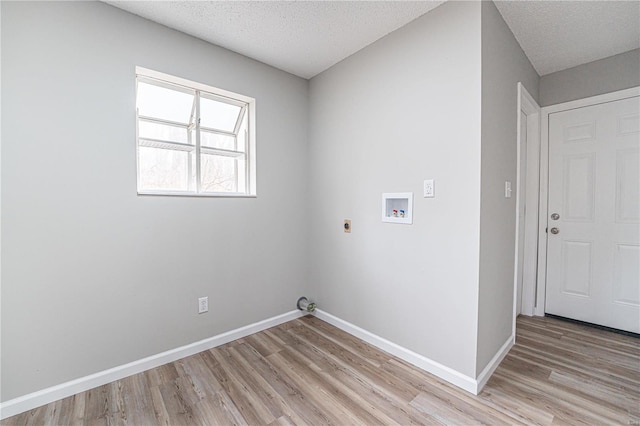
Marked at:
<point>555,231</point>
<point>555,216</point>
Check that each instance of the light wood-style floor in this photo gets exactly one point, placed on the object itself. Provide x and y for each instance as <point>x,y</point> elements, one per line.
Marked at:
<point>308,372</point>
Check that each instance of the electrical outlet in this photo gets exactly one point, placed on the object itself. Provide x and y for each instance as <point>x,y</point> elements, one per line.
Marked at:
<point>347,226</point>
<point>429,188</point>
<point>203,305</point>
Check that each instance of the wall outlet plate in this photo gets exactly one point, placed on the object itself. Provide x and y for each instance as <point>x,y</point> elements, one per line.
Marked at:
<point>203,305</point>
<point>347,226</point>
<point>429,188</point>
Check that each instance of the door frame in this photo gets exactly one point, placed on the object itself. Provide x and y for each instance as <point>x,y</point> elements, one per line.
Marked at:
<point>530,108</point>
<point>543,215</point>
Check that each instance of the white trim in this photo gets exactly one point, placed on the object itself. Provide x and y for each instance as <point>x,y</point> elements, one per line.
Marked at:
<point>196,102</point>
<point>545,112</point>
<point>197,195</point>
<point>193,85</point>
<point>449,374</point>
<point>63,390</point>
<point>485,375</point>
<point>542,213</point>
<point>527,105</point>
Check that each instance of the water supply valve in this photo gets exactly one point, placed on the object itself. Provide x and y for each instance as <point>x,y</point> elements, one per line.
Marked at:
<point>304,305</point>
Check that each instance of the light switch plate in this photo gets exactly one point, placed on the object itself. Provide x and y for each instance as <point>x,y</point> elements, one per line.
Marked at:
<point>507,189</point>
<point>429,188</point>
<point>203,304</point>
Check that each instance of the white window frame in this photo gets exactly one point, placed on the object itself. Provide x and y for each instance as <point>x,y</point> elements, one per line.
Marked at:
<point>249,107</point>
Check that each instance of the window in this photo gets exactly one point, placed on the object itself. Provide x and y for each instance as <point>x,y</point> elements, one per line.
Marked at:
<point>193,139</point>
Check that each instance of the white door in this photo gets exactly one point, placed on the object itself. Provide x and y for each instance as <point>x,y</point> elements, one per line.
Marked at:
<point>593,261</point>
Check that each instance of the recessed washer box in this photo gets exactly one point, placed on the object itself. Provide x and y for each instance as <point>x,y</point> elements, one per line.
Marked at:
<point>397,207</point>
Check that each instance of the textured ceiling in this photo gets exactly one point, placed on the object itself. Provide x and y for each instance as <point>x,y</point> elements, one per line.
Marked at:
<point>307,37</point>
<point>301,37</point>
<point>557,35</point>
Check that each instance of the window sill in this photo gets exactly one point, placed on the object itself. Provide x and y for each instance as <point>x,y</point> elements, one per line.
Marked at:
<point>192,194</point>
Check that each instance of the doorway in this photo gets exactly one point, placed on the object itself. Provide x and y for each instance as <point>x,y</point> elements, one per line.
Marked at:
<point>589,221</point>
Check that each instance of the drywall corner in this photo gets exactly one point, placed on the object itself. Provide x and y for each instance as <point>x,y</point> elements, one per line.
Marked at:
<point>504,64</point>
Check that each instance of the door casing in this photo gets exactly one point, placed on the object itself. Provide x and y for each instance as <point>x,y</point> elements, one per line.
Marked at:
<point>529,107</point>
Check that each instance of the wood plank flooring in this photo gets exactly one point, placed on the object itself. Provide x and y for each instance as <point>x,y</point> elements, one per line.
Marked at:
<point>309,372</point>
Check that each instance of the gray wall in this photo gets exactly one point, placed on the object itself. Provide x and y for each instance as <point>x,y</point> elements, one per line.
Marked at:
<point>93,275</point>
<point>404,109</point>
<point>595,78</point>
<point>504,64</point>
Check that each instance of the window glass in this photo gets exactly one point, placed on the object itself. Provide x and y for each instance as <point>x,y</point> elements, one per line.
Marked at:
<point>218,115</point>
<point>163,169</point>
<point>243,134</point>
<point>164,132</point>
<point>214,140</point>
<point>165,104</point>
<point>218,173</point>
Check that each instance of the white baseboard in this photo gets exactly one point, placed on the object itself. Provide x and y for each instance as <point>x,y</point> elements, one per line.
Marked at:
<point>484,376</point>
<point>446,373</point>
<point>54,393</point>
